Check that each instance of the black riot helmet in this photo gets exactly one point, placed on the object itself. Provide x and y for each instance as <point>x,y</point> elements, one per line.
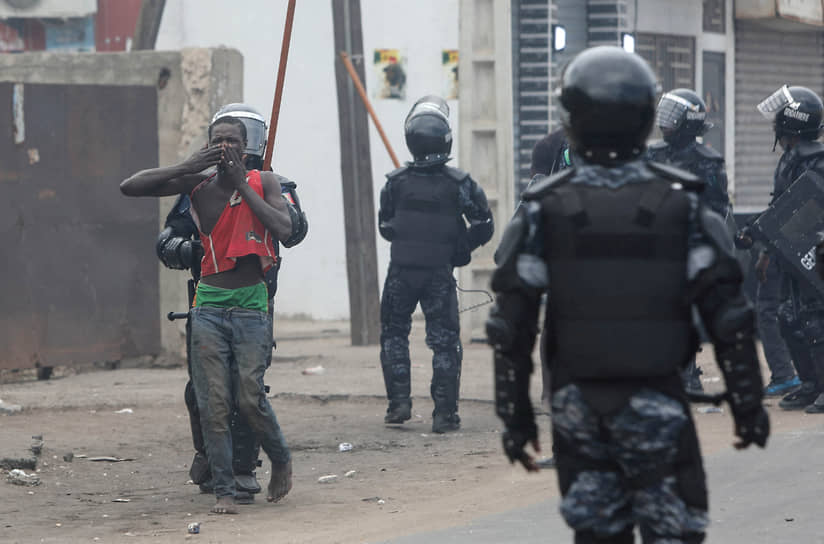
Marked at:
<point>794,111</point>
<point>255,131</point>
<point>608,104</point>
<point>428,134</point>
<point>681,116</point>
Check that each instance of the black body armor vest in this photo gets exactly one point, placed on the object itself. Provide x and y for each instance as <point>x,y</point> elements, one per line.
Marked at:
<point>427,218</point>
<point>619,304</point>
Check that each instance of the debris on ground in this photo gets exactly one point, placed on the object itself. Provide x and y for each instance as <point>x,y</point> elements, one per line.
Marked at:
<point>20,477</point>
<point>7,408</point>
<point>328,479</point>
<point>313,370</point>
<point>345,446</point>
<point>108,459</point>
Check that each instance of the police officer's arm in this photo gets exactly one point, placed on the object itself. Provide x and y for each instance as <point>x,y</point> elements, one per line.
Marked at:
<point>300,224</point>
<point>175,246</point>
<point>172,180</point>
<point>511,330</point>
<point>715,280</point>
<point>476,210</point>
<point>386,212</point>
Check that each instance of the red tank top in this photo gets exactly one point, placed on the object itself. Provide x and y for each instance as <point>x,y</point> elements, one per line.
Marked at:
<point>237,233</point>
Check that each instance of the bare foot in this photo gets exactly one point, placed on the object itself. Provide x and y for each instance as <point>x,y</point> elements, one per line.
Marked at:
<point>281,482</point>
<point>225,505</point>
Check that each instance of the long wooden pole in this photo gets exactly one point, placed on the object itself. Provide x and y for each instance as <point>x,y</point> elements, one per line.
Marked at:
<point>362,92</point>
<point>284,56</point>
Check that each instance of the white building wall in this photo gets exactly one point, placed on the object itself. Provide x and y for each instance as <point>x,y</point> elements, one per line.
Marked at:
<point>313,279</point>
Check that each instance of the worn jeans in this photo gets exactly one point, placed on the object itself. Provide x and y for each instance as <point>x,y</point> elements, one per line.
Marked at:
<point>768,299</point>
<point>229,349</point>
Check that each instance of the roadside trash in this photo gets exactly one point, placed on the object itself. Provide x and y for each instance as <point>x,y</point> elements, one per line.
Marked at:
<point>108,459</point>
<point>194,528</point>
<point>36,444</point>
<point>124,411</point>
<point>6,408</point>
<point>350,473</point>
<point>328,479</point>
<point>19,477</point>
<point>68,457</point>
<point>313,370</point>
<point>121,500</point>
<point>709,410</point>
<point>381,501</point>
<point>345,446</point>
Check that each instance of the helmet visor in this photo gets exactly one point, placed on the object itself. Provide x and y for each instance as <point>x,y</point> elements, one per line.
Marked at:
<point>775,102</point>
<point>673,110</point>
<point>255,130</point>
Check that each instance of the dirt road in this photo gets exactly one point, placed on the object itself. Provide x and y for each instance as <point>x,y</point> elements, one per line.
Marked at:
<point>405,479</point>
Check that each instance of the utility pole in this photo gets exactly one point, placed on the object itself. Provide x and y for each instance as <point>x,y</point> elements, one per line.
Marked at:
<point>356,174</point>
<point>148,24</point>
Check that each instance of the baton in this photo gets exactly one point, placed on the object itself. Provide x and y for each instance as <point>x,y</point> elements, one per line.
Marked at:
<point>284,56</point>
<point>359,86</point>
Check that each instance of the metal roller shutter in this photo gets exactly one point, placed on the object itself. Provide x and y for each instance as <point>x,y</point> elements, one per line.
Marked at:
<point>766,59</point>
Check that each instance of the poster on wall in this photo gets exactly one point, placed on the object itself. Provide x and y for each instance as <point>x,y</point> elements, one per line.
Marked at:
<point>73,34</point>
<point>449,67</point>
<point>390,69</point>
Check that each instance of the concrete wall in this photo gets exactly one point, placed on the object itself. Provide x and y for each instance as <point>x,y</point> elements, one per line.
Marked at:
<point>198,82</point>
<point>313,278</point>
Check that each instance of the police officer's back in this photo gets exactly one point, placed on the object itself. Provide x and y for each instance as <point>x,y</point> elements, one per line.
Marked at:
<point>424,208</point>
<point>624,253</point>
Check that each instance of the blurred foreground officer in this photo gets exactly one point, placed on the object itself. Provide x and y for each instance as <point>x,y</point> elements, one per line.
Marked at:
<point>422,211</point>
<point>623,251</point>
<point>796,113</point>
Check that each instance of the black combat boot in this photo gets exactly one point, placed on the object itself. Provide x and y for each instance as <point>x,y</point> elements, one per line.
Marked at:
<point>444,391</point>
<point>398,412</point>
<point>801,397</point>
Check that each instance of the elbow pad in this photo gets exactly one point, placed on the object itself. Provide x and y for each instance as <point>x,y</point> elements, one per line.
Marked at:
<point>176,252</point>
<point>300,226</point>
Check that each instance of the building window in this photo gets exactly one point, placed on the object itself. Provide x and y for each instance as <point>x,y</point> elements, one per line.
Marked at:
<point>672,58</point>
<point>714,16</point>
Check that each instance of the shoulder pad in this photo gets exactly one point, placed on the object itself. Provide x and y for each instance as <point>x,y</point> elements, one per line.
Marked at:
<point>690,182</point>
<point>658,145</point>
<point>182,205</point>
<point>455,173</point>
<point>285,182</point>
<point>397,172</point>
<point>543,185</point>
<point>708,153</point>
<point>806,149</point>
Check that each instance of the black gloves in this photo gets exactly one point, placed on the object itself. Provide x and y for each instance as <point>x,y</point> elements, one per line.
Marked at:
<point>515,441</point>
<point>752,427</point>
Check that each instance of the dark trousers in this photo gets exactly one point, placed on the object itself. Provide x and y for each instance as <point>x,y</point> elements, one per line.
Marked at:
<point>245,447</point>
<point>768,299</point>
<point>434,288</point>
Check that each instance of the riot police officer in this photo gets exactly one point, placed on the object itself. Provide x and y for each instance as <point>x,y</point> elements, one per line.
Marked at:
<point>681,116</point>
<point>422,211</point>
<point>625,253</point>
<point>178,247</point>
<point>796,113</point>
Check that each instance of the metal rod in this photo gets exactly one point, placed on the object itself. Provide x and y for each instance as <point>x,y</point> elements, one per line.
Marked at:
<point>362,92</point>
<point>284,56</point>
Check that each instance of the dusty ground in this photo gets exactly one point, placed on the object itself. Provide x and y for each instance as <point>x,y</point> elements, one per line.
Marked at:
<point>406,479</point>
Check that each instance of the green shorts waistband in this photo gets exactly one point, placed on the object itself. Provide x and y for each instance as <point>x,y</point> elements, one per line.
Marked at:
<point>253,297</point>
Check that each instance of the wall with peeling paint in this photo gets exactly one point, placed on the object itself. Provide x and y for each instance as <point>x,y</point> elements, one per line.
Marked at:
<point>191,84</point>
